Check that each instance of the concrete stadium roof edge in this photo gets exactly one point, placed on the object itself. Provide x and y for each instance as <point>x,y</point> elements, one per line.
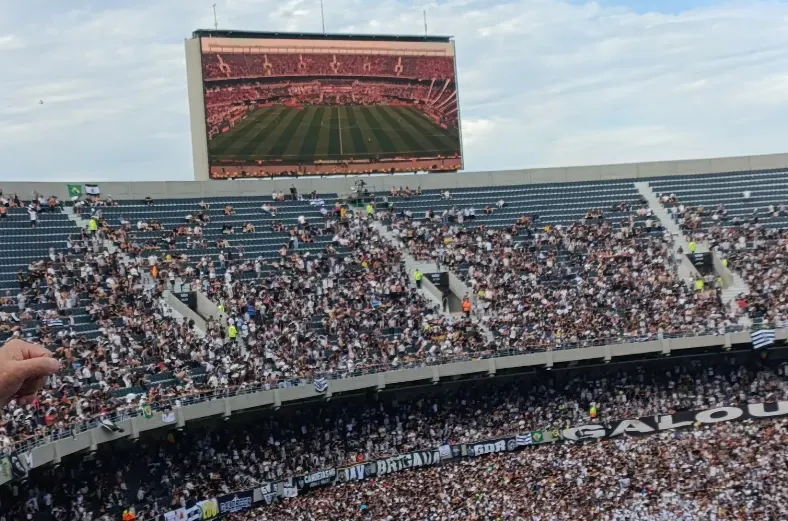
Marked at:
<point>379,183</point>
<point>211,33</point>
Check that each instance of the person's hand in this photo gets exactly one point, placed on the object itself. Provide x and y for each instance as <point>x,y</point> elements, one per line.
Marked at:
<point>23,371</point>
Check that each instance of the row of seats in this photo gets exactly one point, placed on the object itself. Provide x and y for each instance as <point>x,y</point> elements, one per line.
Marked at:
<point>708,191</point>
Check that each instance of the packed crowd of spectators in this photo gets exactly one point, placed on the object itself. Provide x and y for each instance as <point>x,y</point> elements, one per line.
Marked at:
<point>760,255</point>
<point>746,245</point>
<point>725,473</point>
<point>260,92</point>
<point>713,470</point>
<point>235,65</point>
<point>349,308</point>
<point>334,313</point>
<point>137,343</point>
<point>369,316</point>
<point>542,285</point>
<point>365,92</point>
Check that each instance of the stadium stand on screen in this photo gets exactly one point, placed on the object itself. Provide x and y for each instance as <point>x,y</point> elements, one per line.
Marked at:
<point>299,107</point>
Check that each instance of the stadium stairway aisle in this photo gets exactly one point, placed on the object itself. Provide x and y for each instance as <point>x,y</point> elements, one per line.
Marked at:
<point>411,265</point>
<point>745,196</point>
<point>686,269</point>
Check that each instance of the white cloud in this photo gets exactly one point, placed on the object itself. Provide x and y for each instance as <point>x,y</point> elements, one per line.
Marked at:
<point>543,82</point>
<point>476,131</point>
<point>10,42</point>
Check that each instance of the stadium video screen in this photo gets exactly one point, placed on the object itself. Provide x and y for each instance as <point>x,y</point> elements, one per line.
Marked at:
<point>293,107</point>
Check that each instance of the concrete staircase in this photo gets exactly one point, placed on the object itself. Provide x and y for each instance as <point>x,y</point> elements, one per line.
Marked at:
<point>735,285</point>
<point>687,271</point>
<point>411,265</point>
<point>79,221</point>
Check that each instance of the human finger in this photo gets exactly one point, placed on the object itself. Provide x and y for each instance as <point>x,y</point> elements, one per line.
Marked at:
<point>33,368</point>
<point>34,351</point>
<point>31,386</point>
<point>25,400</point>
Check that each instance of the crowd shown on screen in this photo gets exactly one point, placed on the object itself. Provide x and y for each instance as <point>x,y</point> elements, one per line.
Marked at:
<point>233,65</point>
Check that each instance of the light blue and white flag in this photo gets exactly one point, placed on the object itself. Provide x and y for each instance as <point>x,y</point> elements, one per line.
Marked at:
<point>321,385</point>
<point>762,338</point>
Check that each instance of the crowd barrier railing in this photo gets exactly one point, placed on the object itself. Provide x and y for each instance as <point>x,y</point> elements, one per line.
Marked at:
<point>170,402</point>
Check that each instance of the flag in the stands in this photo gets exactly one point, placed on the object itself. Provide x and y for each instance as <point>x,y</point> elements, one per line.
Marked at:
<point>321,385</point>
<point>762,338</point>
<point>109,425</point>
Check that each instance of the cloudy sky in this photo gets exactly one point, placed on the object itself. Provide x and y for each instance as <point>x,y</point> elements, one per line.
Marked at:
<point>542,82</point>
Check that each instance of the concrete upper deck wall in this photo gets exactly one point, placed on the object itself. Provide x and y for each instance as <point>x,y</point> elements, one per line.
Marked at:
<point>185,189</point>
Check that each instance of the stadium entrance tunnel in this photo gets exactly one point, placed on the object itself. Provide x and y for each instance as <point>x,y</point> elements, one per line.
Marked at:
<point>438,284</point>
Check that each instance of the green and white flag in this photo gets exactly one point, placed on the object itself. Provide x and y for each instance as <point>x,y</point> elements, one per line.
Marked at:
<point>537,436</point>
<point>74,190</point>
<point>147,411</point>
